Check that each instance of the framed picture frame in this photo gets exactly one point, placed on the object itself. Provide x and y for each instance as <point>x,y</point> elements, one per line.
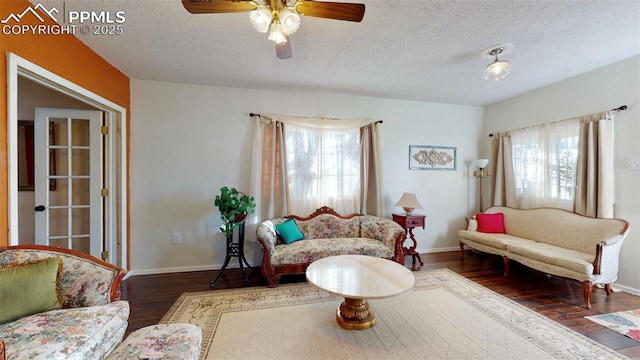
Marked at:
<point>430,157</point>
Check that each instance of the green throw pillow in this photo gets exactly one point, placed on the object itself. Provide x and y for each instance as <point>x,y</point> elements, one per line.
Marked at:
<point>29,288</point>
<point>289,231</point>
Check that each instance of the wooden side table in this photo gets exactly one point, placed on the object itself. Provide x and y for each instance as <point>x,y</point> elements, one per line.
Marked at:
<point>408,222</point>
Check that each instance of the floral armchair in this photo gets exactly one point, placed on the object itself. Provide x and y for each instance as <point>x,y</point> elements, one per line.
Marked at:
<point>90,320</point>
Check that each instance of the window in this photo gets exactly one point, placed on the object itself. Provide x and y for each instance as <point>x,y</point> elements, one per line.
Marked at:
<point>323,167</point>
<point>300,164</point>
<point>545,163</point>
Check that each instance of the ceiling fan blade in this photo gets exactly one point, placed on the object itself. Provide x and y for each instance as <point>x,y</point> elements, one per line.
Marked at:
<point>283,51</point>
<point>218,6</point>
<point>331,10</point>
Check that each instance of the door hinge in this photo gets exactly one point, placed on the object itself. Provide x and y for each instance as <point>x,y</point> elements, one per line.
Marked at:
<point>105,255</point>
<point>104,192</point>
<point>104,130</point>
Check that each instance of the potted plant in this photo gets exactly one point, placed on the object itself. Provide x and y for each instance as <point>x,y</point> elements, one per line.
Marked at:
<point>234,207</point>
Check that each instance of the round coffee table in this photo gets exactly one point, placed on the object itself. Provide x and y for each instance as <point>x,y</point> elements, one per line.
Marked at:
<point>358,278</point>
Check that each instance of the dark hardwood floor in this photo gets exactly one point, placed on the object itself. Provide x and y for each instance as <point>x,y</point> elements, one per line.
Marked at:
<point>561,300</point>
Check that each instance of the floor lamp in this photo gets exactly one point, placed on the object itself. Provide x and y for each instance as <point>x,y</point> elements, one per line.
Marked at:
<point>481,173</point>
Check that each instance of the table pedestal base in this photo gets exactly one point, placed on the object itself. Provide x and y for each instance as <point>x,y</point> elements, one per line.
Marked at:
<point>414,254</point>
<point>355,314</point>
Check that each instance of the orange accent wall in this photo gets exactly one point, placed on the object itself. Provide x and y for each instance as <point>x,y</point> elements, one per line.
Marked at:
<point>64,55</point>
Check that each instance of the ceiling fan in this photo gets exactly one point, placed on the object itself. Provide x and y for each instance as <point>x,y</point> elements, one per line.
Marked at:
<point>279,17</point>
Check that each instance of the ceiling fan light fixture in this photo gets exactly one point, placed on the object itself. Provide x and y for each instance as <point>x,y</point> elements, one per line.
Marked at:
<point>276,34</point>
<point>290,21</point>
<point>260,19</point>
<point>498,69</point>
<point>279,18</point>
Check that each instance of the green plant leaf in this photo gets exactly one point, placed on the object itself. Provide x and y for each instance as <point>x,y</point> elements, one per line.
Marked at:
<point>231,203</point>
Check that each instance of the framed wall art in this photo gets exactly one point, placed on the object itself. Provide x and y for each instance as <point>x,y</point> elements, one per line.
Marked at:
<point>428,157</point>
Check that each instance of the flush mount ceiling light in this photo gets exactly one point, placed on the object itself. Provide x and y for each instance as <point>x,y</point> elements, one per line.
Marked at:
<point>498,69</point>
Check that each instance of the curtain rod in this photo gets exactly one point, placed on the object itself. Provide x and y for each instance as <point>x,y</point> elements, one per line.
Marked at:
<point>310,117</point>
<point>618,109</point>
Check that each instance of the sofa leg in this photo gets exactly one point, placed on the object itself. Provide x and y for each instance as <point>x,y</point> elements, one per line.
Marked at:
<point>461,250</point>
<point>587,287</point>
<point>608,288</point>
<point>506,262</point>
<point>273,281</point>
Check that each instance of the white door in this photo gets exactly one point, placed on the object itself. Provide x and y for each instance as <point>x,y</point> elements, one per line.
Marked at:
<point>68,179</point>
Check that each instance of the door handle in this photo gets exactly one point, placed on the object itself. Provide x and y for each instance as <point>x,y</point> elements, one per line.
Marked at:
<point>39,208</point>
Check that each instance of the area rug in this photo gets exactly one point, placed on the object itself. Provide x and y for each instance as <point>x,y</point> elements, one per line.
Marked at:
<point>445,316</point>
<point>625,322</point>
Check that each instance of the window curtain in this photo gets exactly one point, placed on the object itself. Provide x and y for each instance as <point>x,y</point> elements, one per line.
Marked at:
<point>268,179</point>
<point>299,164</point>
<point>503,188</point>
<point>371,189</point>
<point>594,179</point>
<point>323,168</point>
<point>564,164</point>
<point>544,164</point>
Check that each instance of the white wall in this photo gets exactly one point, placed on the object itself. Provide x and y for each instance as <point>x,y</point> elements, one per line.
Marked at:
<point>598,90</point>
<point>187,141</point>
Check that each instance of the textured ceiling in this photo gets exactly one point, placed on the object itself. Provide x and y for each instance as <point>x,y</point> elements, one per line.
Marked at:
<point>403,49</point>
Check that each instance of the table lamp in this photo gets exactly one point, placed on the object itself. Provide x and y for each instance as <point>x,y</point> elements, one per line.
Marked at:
<point>409,202</point>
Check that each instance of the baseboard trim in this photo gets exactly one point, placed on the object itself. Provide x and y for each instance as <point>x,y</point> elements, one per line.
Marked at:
<point>181,269</point>
<point>627,289</point>
<point>438,250</point>
<point>235,266</point>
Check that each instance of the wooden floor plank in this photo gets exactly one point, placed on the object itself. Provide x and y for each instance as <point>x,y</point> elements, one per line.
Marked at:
<point>151,296</point>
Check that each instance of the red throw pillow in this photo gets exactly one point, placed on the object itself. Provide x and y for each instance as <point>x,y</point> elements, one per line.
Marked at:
<point>491,223</point>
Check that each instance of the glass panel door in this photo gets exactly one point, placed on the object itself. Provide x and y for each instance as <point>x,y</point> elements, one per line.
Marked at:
<point>68,179</point>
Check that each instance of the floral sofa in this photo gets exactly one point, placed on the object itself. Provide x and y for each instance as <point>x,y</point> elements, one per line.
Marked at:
<point>88,323</point>
<point>326,233</point>
<point>553,241</point>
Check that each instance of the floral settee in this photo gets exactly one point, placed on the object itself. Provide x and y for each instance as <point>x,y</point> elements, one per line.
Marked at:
<point>88,323</point>
<point>326,233</point>
<point>553,241</point>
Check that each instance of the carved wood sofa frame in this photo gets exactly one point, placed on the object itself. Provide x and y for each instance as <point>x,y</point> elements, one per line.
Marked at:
<point>273,273</point>
<point>115,293</point>
<point>600,248</point>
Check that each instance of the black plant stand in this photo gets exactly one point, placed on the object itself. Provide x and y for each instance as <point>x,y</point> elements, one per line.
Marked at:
<point>235,250</point>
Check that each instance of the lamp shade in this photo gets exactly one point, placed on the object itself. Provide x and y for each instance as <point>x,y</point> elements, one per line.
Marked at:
<point>482,163</point>
<point>290,21</point>
<point>276,34</point>
<point>409,202</point>
<point>497,70</point>
<point>260,19</point>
